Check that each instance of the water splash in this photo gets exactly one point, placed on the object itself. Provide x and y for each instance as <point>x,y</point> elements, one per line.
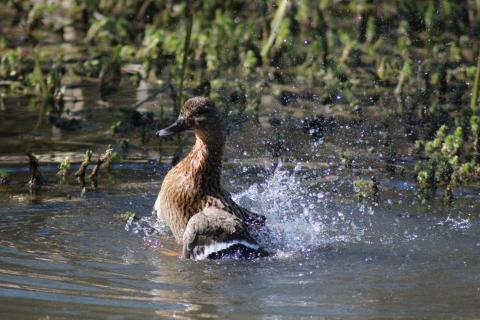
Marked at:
<point>300,219</point>
<point>149,228</point>
<point>456,223</point>
<point>305,216</point>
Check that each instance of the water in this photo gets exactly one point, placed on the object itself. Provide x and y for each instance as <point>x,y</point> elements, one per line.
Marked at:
<point>64,256</point>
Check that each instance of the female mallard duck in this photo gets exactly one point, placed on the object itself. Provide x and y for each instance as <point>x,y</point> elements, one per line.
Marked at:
<point>202,216</point>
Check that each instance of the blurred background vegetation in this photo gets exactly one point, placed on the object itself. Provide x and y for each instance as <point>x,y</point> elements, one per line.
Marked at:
<point>409,63</point>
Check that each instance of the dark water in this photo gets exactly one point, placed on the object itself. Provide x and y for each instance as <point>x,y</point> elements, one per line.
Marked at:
<point>63,256</point>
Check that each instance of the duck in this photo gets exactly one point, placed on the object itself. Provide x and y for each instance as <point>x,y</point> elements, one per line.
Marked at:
<point>201,215</point>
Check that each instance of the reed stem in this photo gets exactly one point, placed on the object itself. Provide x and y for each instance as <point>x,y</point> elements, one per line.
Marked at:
<point>277,20</point>
<point>188,34</point>
<point>476,85</point>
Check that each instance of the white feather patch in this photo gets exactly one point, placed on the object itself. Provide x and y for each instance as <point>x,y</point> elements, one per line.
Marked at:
<point>219,246</point>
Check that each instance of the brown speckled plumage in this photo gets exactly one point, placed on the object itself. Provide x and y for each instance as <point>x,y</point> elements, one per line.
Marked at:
<point>194,183</point>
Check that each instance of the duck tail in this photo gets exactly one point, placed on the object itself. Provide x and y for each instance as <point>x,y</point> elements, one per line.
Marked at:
<point>216,234</point>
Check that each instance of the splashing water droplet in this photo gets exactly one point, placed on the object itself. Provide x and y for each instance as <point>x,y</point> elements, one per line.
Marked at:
<point>149,228</point>
<point>296,220</point>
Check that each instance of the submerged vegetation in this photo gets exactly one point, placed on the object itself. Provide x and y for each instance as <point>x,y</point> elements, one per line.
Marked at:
<point>415,62</point>
<point>3,177</point>
<point>36,177</point>
<point>366,189</point>
<point>82,171</point>
<point>63,170</point>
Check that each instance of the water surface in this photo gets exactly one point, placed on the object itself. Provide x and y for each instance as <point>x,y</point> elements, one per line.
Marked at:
<point>66,256</point>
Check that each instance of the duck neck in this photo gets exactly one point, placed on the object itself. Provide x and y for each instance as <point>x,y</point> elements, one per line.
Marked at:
<point>206,160</point>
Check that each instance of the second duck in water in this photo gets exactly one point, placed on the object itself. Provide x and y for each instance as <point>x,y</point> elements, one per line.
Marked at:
<point>201,215</point>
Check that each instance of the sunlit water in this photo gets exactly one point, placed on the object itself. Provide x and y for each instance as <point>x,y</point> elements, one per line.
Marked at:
<point>331,256</point>
<point>63,256</point>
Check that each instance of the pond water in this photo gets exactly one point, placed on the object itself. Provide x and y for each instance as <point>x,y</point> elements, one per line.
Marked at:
<point>65,256</point>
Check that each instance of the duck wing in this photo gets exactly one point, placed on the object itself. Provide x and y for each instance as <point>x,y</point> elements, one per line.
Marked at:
<point>214,233</point>
<point>225,202</point>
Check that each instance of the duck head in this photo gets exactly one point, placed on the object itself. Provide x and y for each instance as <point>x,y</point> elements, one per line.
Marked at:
<point>200,115</point>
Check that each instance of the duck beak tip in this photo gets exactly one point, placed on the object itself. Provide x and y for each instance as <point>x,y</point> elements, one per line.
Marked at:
<point>176,127</point>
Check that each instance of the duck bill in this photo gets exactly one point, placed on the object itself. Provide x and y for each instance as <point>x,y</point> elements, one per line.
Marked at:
<point>176,127</point>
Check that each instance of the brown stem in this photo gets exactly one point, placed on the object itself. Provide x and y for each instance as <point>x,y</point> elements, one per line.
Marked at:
<point>94,174</point>
<point>80,174</point>
<point>36,178</point>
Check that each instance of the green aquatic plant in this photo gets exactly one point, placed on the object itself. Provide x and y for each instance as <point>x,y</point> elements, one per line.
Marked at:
<point>109,30</point>
<point>221,41</point>
<point>38,12</point>
<point>475,129</point>
<point>111,72</point>
<point>253,95</point>
<point>37,80</point>
<point>128,215</point>
<point>3,177</point>
<point>274,30</point>
<point>186,48</point>
<point>250,62</point>
<point>453,143</point>
<point>371,32</point>
<point>90,68</point>
<point>366,189</point>
<point>124,144</point>
<point>113,156</point>
<point>63,170</point>
<point>467,172</point>
<point>447,196</point>
<point>434,146</point>
<point>115,126</point>
<point>443,170</point>
<point>12,64</point>
<point>151,53</point>
<point>448,164</point>
<point>404,75</point>
<point>45,84</point>
<point>476,87</point>
<point>426,178</point>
